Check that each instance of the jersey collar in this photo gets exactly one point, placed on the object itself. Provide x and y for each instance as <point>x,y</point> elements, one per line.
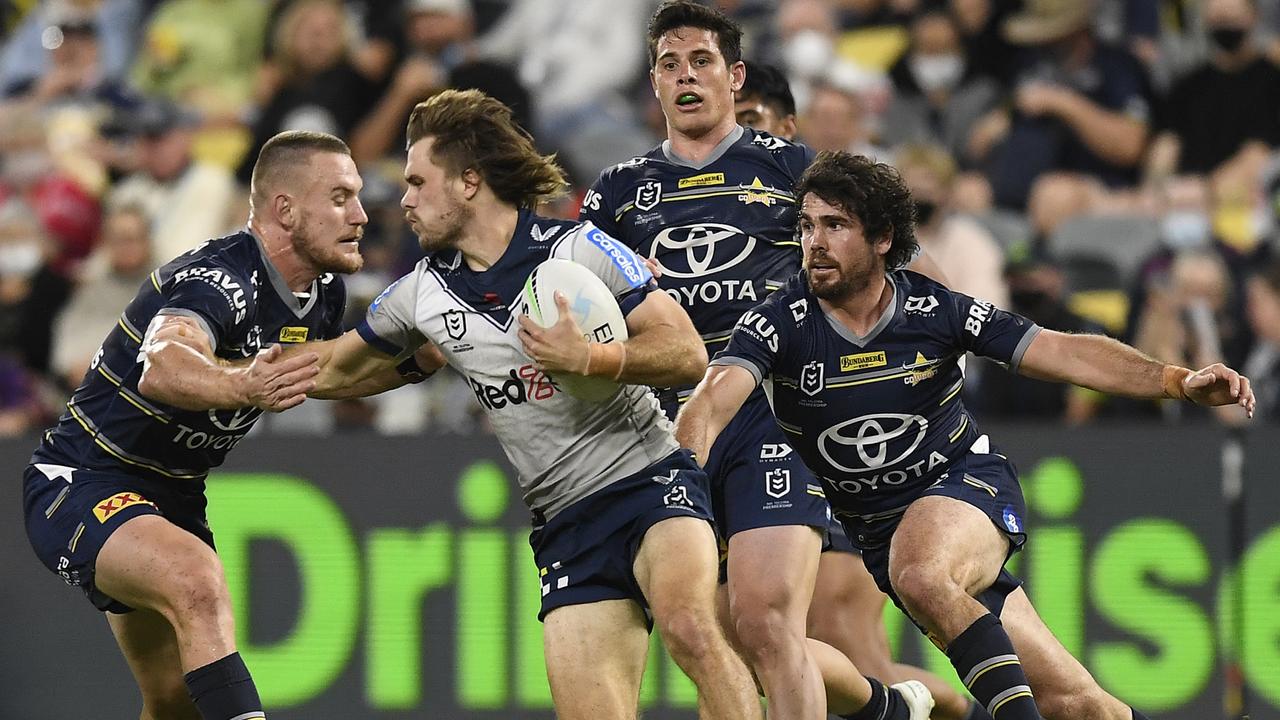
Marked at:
<point>885,317</point>
<point>277,281</point>
<point>717,152</point>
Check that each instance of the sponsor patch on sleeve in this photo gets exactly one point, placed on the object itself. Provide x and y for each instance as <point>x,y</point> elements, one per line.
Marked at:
<point>293,334</point>
<point>627,262</point>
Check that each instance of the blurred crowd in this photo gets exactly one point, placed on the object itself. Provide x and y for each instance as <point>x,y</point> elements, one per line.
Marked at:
<point>1103,166</point>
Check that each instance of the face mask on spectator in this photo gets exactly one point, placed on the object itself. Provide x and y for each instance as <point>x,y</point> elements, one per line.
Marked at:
<point>808,53</point>
<point>1184,230</point>
<point>936,72</point>
<point>20,258</point>
<point>1228,39</point>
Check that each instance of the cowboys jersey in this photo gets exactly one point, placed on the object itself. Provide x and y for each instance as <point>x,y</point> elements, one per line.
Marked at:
<point>243,303</point>
<point>563,448</point>
<point>722,231</point>
<point>879,418</point>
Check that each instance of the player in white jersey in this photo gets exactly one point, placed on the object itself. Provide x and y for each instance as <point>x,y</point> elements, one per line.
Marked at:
<point>614,500</point>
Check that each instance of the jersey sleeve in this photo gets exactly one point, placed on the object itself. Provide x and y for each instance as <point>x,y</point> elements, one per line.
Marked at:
<point>598,206</point>
<point>757,341</point>
<point>622,271</point>
<point>213,295</point>
<point>389,325</point>
<point>986,330</point>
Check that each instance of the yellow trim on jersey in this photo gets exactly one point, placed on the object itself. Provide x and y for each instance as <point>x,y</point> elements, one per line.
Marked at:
<point>155,279</point>
<point>127,331</point>
<point>964,423</point>
<point>950,395</point>
<point>1005,701</point>
<point>75,539</point>
<point>817,492</point>
<point>97,440</point>
<point>864,381</point>
<point>124,393</point>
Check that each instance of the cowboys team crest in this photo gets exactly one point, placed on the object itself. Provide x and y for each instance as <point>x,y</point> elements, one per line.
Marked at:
<point>455,324</point>
<point>648,195</point>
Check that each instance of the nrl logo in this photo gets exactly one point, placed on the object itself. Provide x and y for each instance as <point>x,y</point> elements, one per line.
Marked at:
<point>648,195</point>
<point>455,324</point>
<point>777,483</point>
<point>811,378</point>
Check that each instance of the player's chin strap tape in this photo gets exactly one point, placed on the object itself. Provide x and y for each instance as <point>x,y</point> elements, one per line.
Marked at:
<point>411,371</point>
<point>1172,379</point>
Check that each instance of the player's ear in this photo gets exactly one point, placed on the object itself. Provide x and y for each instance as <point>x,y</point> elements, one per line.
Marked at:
<point>885,242</point>
<point>737,75</point>
<point>787,127</point>
<point>284,211</point>
<point>470,183</point>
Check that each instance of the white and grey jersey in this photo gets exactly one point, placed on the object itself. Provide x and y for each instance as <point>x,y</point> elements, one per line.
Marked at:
<point>563,448</point>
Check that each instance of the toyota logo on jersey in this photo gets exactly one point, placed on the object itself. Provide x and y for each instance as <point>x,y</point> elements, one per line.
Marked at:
<point>871,442</point>
<point>692,251</point>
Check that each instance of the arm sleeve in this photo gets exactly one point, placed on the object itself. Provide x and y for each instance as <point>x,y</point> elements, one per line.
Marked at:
<point>986,330</point>
<point>213,296</point>
<point>390,324</point>
<point>598,207</point>
<point>622,271</point>
<point>757,341</point>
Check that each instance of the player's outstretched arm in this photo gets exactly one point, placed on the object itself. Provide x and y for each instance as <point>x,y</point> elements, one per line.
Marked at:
<point>349,367</point>
<point>711,406</point>
<point>180,369</point>
<point>1106,365</point>
<point>663,349</point>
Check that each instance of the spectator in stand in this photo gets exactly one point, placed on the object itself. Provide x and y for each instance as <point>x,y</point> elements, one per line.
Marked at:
<point>320,88</point>
<point>31,293</point>
<point>963,250</point>
<point>96,304</point>
<point>1263,361</point>
<point>203,54</point>
<point>187,200</point>
<point>835,118</point>
<point>436,35</point>
<point>1226,113</point>
<point>1037,291</point>
<point>1081,106</point>
<point>938,96</point>
<point>25,58</point>
<point>582,108</point>
<point>73,70</point>
<point>985,48</point>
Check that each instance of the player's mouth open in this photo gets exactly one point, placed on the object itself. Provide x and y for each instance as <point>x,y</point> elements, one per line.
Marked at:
<point>688,101</point>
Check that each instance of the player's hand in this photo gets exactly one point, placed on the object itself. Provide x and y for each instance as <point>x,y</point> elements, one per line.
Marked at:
<point>1218,384</point>
<point>560,348</point>
<point>275,383</point>
<point>654,266</point>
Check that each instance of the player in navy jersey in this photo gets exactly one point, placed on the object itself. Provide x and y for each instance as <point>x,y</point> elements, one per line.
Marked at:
<point>622,535</point>
<point>863,360</point>
<point>713,208</point>
<point>114,496</point>
<point>847,609</point>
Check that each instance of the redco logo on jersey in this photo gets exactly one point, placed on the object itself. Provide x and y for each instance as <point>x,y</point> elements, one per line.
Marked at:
<point>527,383</point>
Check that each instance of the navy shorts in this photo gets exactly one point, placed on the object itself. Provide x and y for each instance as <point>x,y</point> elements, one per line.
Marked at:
<point>838,540</point>
<point>70,513</point>
<point>758,479</point>
<point>586,553</point>
<point>987,481</point>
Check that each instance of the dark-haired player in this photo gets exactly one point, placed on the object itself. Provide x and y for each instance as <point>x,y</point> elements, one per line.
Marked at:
<point>863,359</point>
<point>847,609</point>
<point>114,496</point>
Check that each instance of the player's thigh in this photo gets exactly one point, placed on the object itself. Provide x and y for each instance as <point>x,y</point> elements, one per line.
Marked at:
<point>772,569</point>
<point>150,647</point>
<point>943,539</point>
<point>595,655</point>
<point>149,562</point>
<point>847,610</point>
<point>1061,684</point>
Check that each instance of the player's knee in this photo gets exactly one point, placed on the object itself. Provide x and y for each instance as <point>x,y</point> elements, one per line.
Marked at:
<point>689,635</point>
<point>922,588</point>
<point>198,596</point>
<point>764,631</point>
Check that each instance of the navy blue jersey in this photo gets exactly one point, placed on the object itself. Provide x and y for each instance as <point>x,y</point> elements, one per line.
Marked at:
<point>230,288</point>
<point>879,418</point>
<point>723,231</point>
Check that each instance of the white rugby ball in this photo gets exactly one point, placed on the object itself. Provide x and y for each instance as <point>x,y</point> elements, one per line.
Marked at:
<point>593,307</point>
